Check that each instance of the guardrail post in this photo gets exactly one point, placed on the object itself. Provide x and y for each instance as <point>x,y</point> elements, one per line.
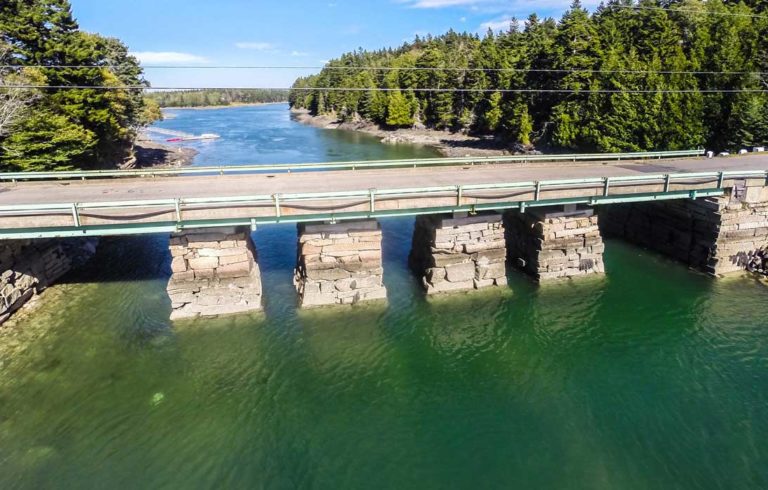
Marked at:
<point>667,182</point>
<point>276,198</point>
<point>720,179</point>
<point>607,187</point>
<point>538,191</point>
<point>694,194</point>
<point>373,200</point>
<point>522,207</point>
<point>75,215</point>
<point>459,195</point>
<point>177,205</point>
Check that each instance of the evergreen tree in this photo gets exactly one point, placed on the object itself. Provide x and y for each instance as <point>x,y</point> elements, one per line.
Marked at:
<point>619,79</point>
<point>399,110</point>
<point>93,127</point>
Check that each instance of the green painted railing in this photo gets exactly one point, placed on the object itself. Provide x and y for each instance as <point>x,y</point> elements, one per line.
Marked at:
<point>610,193</point>
<point>351,165</point>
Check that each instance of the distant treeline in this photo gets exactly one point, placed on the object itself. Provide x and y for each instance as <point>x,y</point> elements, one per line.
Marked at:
<point>631,76</point>
<point>203,98</point>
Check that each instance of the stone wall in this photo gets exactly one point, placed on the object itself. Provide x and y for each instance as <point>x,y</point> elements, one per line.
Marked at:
<point>459,254</point>
<point>717,235</point>
<point>29,266</point>
<point>555,244</point>
<point>339,264</point>
<point>215,272</point>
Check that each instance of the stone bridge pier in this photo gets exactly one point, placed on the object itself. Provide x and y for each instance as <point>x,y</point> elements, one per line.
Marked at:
<point>339,264</point>
<point>555,243</point>
<point>215,272</point>
<point>459,254</point>
<point>717,235</point>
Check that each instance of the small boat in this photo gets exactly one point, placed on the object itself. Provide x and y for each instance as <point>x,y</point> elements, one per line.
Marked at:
<point>206,136</point>
<point>209,136</point>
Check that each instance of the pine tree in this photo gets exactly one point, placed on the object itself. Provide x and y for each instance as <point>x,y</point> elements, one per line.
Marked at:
<point>642,57</point>
<point>44,32</point>
<point>399,110</point>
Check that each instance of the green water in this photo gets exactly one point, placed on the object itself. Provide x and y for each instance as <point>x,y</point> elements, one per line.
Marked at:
<point>652,377</point>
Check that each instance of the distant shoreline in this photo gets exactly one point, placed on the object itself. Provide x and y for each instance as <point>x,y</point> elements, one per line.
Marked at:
<point>229,106</point>
<point>448,144</point>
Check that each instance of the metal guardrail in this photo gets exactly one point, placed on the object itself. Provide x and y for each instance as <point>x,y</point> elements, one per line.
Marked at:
<point>350,165</point>
<point>279,202</point>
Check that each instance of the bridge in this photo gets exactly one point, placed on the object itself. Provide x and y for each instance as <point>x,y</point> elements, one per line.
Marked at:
<point>474,216</point>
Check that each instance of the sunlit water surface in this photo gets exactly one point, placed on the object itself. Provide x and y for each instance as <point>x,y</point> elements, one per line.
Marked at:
<point>652,377</point>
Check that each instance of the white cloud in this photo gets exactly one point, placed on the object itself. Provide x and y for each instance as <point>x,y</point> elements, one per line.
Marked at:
<point>299,54</point>
<point>433,4</point>
<point>509,7</point>
<point>496,25</point>
<point>256,46</point>
<point>167,57</point>
<point>521,9</point>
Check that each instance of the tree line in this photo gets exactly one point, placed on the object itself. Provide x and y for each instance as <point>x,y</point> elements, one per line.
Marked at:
<point>52,128</point>
<point>631,76</point>
<point>216,98</point>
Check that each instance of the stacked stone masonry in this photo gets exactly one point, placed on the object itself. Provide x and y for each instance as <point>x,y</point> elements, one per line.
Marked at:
<point>555,244</point>
<point>459,254</point>
<point>30,266</point>
<point>215,272</point>
<point>339,264</point>
<point>717,235</point>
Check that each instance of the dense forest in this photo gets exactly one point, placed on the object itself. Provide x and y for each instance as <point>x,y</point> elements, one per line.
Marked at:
<point>225,97</point>
<point>51,126</point>
<point>631,76</point>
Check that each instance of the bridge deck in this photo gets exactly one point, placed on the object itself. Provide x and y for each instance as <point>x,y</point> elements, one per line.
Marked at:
<point>143,205</point>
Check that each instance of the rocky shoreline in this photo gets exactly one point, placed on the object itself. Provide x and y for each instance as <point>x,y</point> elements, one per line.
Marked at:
<point>148,153</point>
<point>447,143</point>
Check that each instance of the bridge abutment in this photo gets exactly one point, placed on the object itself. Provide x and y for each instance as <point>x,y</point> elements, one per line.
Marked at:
<point>459,254</point>
<point>215,272</point>
<point>717,235</point>
<point>28,267</point>
<point>339,264</point>
<point>555,243</point>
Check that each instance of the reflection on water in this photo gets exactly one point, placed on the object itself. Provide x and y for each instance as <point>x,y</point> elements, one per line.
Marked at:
<point>652,377</point>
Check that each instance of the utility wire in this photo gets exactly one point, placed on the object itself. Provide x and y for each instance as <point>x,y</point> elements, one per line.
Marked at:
<point>383,68</point>
<point>688,11</point>
<point>377,89</point>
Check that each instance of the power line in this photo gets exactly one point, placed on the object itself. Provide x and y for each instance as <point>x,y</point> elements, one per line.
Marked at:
<point>379,89</point>
<point>689,10</point>
<point>406,69</point>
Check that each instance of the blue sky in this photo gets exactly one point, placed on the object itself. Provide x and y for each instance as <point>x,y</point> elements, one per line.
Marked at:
<point>291,32</point>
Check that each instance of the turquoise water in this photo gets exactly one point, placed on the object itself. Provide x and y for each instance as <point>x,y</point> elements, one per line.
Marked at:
<point>652,377</point>
<point>268,134</point>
